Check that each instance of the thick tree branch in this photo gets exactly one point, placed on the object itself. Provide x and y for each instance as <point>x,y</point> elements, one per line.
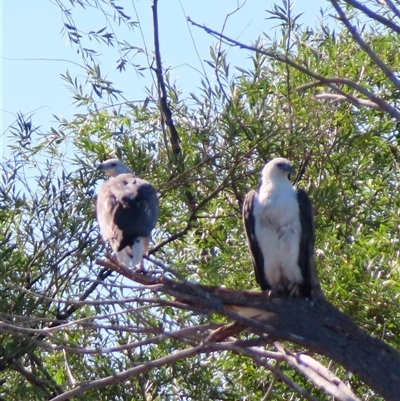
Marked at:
<point>164,108</point>
<point>166,114</point>
<point>318,326</point>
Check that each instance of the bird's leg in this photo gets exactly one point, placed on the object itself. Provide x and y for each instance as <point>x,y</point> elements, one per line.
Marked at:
<point>146,241</point>
<point>141,268</point>
<point>294,291</point>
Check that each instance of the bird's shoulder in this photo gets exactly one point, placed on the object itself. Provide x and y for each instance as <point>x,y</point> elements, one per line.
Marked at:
<point>127,183</point>
<point>127,179</point>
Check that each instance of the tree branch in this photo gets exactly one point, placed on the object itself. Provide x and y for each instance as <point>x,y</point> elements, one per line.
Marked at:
<point>341,98</point>
<point>364,46</point>
<point>392,7</point>
<point>44,385</point>
<point>166,114</point>
<point>127,374</point>
<point>165,110</point>
<point>374,15</point>
<point>262,358</point>
<point>330,82</point>
<point>318,326</point>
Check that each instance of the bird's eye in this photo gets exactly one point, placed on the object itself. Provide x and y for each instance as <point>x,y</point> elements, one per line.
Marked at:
<point>113,164</point>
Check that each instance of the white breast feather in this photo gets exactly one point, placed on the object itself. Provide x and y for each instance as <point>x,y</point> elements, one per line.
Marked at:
<point>278,233</point>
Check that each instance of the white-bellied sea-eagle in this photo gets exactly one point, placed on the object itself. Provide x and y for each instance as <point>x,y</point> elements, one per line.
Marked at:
<point>127,211</point>
<point>279,226</point>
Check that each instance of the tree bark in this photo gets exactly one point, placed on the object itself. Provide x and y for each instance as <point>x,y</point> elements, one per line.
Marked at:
<point>317,325</point>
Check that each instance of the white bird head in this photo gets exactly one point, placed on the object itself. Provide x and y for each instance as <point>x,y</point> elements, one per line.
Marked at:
<point>113,167</point>
<point>278,168</point>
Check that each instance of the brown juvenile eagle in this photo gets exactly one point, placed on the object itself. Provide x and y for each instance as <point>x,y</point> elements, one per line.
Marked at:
<point>127,212</point>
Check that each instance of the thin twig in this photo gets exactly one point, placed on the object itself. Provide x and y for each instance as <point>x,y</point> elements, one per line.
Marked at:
<point>364,46</point>
<point>263,361</point>
<point>374,15</point>
<point>340,98</point>
<point>393,8</point>
<point>127,374</point>
<point>70,376</point>
<point>330,82</point>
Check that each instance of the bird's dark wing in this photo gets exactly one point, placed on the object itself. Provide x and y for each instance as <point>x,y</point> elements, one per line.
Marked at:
<point>307,240</point>
<point>137,209</point>
<point>255,250</point>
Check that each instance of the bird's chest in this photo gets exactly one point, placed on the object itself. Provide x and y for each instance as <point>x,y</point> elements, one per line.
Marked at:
<point>277,208</point>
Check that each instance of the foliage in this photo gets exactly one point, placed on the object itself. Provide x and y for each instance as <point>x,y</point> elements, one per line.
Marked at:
<point>68,321</point>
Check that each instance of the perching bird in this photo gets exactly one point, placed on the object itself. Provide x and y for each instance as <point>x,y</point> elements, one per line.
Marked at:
<point>127,212</point>
<point>279,227</point>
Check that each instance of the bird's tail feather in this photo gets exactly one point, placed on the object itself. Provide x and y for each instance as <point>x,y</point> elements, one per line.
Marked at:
<point>131,256</point>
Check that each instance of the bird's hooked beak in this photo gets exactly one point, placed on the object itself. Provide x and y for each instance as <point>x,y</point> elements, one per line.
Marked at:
<point>287,168</point>
<point>104,168</point>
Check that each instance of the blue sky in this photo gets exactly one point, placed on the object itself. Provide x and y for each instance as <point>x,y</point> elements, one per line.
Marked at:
<point>35,52</point>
